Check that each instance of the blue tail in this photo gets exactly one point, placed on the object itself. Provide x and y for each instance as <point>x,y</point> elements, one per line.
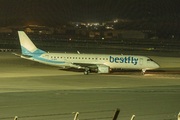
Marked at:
<point>27,46</point>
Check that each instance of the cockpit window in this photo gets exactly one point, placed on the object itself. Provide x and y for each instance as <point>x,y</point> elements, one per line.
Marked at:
<point>149,60</point>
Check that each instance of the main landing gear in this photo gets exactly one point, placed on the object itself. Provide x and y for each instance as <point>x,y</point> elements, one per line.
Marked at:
<point>87,71</point>
<point>143,71</point>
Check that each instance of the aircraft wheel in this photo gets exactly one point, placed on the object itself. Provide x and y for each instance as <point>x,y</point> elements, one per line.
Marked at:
<point>143,71</point>
<point>86,69</point>
<point>85,72</point>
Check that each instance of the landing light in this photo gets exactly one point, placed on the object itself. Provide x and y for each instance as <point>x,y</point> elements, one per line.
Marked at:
<point>149,68</point>
<point>149,74</point>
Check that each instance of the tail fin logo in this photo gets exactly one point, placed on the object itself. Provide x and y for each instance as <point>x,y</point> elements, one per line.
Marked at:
<point>27,46</point>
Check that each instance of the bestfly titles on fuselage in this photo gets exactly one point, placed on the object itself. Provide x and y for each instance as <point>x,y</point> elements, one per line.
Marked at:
<point>123,60</point>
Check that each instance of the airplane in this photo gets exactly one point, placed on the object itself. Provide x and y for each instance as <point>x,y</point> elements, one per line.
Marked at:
<point>100,63</point>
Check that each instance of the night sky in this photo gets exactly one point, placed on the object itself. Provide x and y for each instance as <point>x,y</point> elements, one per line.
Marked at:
<point>53,12</point>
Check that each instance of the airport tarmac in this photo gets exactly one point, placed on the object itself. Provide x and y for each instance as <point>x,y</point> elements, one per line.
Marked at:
<point>35,91</point>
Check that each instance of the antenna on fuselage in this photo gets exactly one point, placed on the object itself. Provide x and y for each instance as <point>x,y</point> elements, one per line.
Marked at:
<point>78,52</point>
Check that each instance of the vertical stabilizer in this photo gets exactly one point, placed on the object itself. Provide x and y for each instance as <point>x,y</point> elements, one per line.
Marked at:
<point>27,46</point>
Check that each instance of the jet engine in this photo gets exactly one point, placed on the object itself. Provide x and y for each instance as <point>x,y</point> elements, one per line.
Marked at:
<point>103,69</point>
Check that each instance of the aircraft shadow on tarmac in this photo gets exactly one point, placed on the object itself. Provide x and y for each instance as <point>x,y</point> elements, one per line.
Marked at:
<point>73,70</point>
<point>116,71</point>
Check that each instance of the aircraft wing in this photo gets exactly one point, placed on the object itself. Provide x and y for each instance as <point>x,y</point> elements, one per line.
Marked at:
<point>101,68</point>
<point>88,65</point>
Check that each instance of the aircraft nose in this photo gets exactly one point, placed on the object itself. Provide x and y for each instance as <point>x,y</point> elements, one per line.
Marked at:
<point>156,65</point>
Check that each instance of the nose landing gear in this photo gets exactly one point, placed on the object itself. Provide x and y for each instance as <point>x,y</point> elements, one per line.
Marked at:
<point>87,70</point>
<point>143,71</point>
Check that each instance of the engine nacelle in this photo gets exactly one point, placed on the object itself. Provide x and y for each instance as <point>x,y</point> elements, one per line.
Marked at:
<point>103,69</point>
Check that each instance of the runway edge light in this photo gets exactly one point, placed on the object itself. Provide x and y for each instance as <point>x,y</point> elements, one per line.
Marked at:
<point>16,117</point>
<point>179,116</point>
<point>133,116</point>
<point>76,116</point>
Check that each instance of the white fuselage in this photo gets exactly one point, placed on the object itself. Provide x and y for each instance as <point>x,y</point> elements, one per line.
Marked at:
<point>113,61</point>
<point>101,63</point>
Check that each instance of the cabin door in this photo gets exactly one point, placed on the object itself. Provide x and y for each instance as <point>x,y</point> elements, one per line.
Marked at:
<point>47,57</point>
<point>141,61</point>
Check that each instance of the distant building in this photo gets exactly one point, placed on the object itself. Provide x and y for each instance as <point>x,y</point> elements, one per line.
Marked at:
<point>61,31</point>
<point>91,34</point>
<point>5,30</point>
<point>83,33</point>
<point>29,30</point>
<point>38,29</point>
<point>121,20</point>
<point>124,34</point>
<point>134,34</point>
